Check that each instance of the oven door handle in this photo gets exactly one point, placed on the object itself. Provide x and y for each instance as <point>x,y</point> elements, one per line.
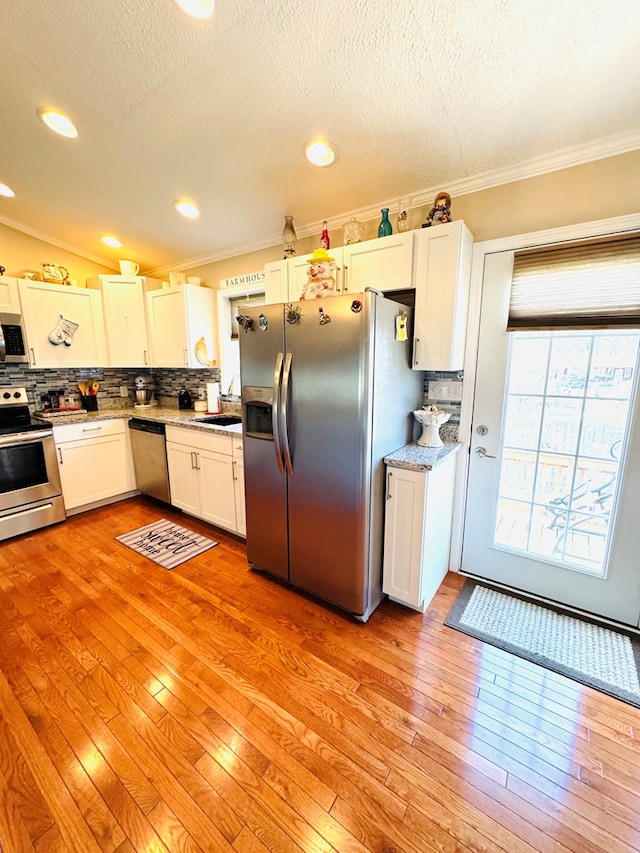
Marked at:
<point>24,437</point>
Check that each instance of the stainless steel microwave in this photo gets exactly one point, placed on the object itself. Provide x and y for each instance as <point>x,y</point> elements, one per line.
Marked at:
<point>13,347</point>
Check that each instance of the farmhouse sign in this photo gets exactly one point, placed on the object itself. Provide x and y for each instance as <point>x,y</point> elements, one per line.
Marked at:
<point>243,280</point>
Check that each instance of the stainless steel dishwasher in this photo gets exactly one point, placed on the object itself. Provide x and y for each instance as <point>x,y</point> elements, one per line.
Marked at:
<point>149,450</point>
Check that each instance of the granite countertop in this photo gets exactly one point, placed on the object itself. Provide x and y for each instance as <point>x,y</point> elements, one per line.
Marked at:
<point>416,458</point>
<point>175,417</point>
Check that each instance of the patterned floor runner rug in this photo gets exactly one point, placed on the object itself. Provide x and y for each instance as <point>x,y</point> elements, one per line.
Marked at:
<point>589,652</point>
<point>166,543</point>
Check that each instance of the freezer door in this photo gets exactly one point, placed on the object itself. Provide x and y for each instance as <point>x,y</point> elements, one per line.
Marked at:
<point>261,358</point>
<point>329,427</point>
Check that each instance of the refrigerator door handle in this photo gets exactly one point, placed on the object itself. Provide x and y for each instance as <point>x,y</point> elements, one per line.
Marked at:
<point>275,411</point>
<point>285,431</point>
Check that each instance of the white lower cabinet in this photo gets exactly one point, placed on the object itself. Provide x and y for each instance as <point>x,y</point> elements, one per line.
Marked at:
<point>202,476</point>
<point>238,478</point>
<point>417,534</point>
<point>94,459</point>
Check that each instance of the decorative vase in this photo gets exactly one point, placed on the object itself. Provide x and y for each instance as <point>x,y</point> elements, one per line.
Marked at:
<point>289,237</point>
<point>384,229</point>
<point>431,418</point>
<point>404,219</point>
<point>352,231</point>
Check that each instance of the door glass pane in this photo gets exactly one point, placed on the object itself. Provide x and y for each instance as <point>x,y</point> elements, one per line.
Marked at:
<point>567,413</point>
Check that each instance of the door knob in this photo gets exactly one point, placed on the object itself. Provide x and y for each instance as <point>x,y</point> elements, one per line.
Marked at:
<point>481,451</point>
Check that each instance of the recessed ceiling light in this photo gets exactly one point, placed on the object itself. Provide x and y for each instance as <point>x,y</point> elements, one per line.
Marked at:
<point>108,240</point>
<point>6,191</point>
<point>201,10</point>
<point>186,208</point>
<point>57,122</point>
<point>320,152</point>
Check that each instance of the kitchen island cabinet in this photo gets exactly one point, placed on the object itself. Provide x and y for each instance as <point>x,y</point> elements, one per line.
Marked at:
<point>95,462</point>
<point>125,317</point>
<point>43,305</point>
<point>202,476</point>
<point>418,522</point>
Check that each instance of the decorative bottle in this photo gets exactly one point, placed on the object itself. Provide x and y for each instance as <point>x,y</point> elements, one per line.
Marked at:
<point>289,237</point>
<point>324,239</point>
<point>404,222</point>
<point>385,228</point>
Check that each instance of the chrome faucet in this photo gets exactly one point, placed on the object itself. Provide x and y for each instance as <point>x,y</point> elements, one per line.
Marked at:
<point>233,379</point>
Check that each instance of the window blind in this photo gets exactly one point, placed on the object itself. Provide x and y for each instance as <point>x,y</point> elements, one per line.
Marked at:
<point>590,284</point>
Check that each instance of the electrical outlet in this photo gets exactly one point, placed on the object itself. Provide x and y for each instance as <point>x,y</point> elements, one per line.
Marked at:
<point>445,389</point>
<point>124,391</point>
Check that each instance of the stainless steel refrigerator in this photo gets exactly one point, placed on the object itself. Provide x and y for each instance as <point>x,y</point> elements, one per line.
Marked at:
<point>327,392</point>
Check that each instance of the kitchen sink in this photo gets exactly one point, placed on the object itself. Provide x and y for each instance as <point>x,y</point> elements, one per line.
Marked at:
<point>220,420</point>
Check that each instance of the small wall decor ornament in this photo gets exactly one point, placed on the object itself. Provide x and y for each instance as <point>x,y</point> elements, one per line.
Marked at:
<point>63,332</point>
<point>55,273</point>
<point>441,210</point>
<point>321,276</point>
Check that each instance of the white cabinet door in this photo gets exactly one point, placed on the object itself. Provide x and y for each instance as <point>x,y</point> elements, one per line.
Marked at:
<point>241,515</point>
<point>217,489</point>
<point>442,279</point>
<point>125,317</point>
<point>43,305</point>
<point>9,297</point>
<point>95,467</point>
<point>276,282</point>
<point>403,535</point>
<point>184,477</point>
<point>168,327</point>
<point>181,326</point>
<point>202,343</point>
<point>417,532</point>
<point>385,263</point>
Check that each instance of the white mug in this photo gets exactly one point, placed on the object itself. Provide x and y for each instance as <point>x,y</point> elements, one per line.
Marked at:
<point>129,268</point>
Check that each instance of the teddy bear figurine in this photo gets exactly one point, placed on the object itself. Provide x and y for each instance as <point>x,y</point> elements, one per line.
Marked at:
<point>321,276</point>
<point>441,210</point>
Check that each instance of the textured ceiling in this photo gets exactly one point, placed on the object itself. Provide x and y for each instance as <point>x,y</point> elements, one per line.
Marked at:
<point>417,94</point>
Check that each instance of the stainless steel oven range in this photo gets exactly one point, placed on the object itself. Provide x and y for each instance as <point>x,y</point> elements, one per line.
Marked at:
<point>30,490</point>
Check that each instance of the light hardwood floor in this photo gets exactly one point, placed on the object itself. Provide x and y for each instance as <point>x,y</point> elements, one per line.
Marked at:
<point>213,709</point>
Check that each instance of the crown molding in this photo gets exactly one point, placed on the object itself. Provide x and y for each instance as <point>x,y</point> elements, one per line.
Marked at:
<point>54,241</point>
<point>563,159</point>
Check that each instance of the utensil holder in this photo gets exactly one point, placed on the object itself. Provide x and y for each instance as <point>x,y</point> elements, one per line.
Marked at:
<point>89,402</point>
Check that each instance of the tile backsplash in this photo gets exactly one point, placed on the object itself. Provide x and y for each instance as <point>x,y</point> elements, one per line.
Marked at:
<point>168,382</point>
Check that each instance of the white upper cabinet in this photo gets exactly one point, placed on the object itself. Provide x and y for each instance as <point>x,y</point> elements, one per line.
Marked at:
<point>9,296</point>
<point>72,316</point>
<point>442,276</point>
<point>182,326</point>
<point>125,316</point>
<point>385,263</point>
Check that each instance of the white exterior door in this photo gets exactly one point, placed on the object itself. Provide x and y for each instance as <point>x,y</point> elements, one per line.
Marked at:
<point>554,465</point>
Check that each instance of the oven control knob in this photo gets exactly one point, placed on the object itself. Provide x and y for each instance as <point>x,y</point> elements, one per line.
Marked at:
<point>6,395</point>
<point>17,395</point>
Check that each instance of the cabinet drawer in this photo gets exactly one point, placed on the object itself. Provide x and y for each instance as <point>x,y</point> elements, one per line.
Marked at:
<point>201,440</point>
<point>88,429</point>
